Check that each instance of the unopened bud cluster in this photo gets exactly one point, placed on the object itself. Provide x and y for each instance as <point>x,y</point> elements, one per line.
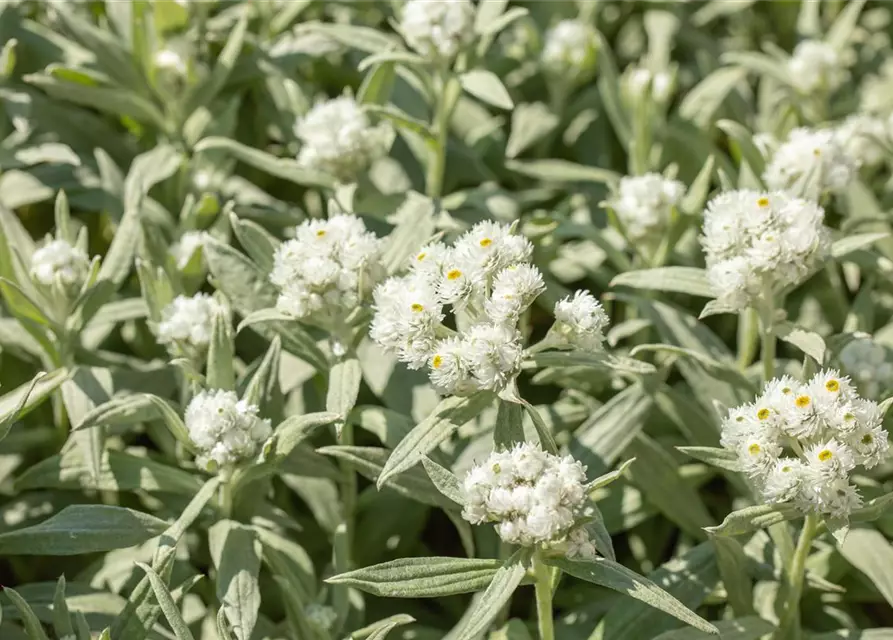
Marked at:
<point>810,159</point>
<point>644,204</point>
<point>438,29</point>
<point>224,429</point>
<point>60,262</point>
<point>186,323</point>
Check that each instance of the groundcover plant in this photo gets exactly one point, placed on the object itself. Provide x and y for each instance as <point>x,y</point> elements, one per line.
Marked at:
<point>441,319</point>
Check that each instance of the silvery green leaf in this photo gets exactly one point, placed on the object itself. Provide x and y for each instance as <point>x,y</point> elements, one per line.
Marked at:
<point>236,554</point>
<point>430,577</point>
<point>449,415</point>
<point>718,457</point>
<point>509,428</point>
<point>490,19</point>
<point>403,120</point>
<point>841,32</point>
<point>263,385</point>
<point>380,630</point>
<point>873,509</point>
<point>746,628</point>
<point>167,604</point>
<point>172,420</point>
<point>286,558</point>
<point>746,147</point>
<point>264,315</point>
<point>87,388</point>
<point>703,101</point>
<point>62,213</point>
<point>221,355</point>
<point>562,171</point>
<point>872,554</point>
<point>397,55</point>
<point>32,624</point>
<point>204,92</point>
<point>607,478</point>
<point>612,575</point>
<point>22,305</point>
<point>363,38</point>
<point>415,226</point>
<point>344,386</point>
<point>285,168</point>
<point>487,87</point>
<point>715,307</point>
<point>808,342</point>
<point>119,410</point>
<point>677,279</point>
<point>696,195</point>
<point>839,528</point>
<point>296,429</point>
<point>61,616</point>
<point>598,532</point>
<point>758,63</point>
<point>752,518</point>
<point>848,244</point>
<point>20,400</point>
<point>531,122</point>
<point>734,568</point>
<point>378,84</point>
<point>80,529</point>
<point>258,243</point>
<point>445,481</point>
<point>496,595</point>
<point>8,58</point>
<point>596,360</point>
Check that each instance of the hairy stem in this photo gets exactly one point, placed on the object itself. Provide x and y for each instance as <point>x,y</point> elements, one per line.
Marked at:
<point>348,484</point>
<point>445,102</point>
<point>789,627</point>
<point>767,338</point>
<point>543,575</point>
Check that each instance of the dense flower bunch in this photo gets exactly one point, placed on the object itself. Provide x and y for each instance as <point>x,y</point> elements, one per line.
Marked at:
<point>59,261</point>
<point>580,322</point>
<point>486,278</point>
<point>438,29</point>
<point>327,270</point>
<point>535,498</point>
<point>810,157</point>
<point>224,429</point>
<point>799,442</point>
<point>570,49</point>
<point>816,66</point>
<point>870,366</point>
<point>186,323</point>
<point>338,138</point>
<point>756,243</point>
<point>644,204</point>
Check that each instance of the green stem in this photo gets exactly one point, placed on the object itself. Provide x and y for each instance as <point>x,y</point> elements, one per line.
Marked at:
<point>348,484</point>
<point>767,338</point>
<point>225,498</point>
<point>445,101</point>
<point>789,627</point>
<point>543,575</point>
<point>747,337</point>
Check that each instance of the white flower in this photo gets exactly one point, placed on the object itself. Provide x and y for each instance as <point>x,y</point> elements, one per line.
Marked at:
<point>408,313</point>
<point>643,204</point>
<point>580,322</point>
<point>320,616</point>
<point>830,459</point>
<point>810,158</point>
<point>494,354</point>
<point>58,261</point>
<point>338,138</point>
<point>579,544</point>
<point>186,246</point>
<point>757,243</point>
<point>570,50</point>
<point>533,497</point>
<point>640,83</point>
<point>514,290</point>
<point>438,29</point>
<point>224,429</point>
<point>815,66</point>
<point>450,367</point>
<point>327,270</point>
<point>864,138</point>
<point>784,482</point>
<point>870,365</point>
<point>188,321</point>
<point>170,60</point>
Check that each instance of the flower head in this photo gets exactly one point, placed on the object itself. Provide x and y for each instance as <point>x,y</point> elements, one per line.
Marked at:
<point>187,321</point>
<point>810,158</point>
<point>815,66</point>
<point>338,138</point>
<point>643,204</point>
<point>59,261</point>
<point>438,29</point>
<point>754,242</point>
<point>570,50</point>
<point>580,321</point>
<point>224,429</point>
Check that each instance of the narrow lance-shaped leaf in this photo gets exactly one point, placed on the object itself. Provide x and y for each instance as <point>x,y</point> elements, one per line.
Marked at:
<point>167,604</point>
<point>496,595</point>
<point>236,555</point>
<point>430,577</point>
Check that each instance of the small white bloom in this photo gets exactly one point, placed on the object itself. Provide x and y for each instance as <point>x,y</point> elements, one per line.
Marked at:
<point>169,60</point>
<point>784,482</point>
<point>58,261</point>
<point>810,157</point>
<point>830,459</point>
<point>836,497</point>
<point>570,50</point>
<point>184,248</point>
<point>408,313</point>
<point>580,322</point>
<point>188,321</point>
<point>338,138</point>
<point>450,368</point>
<point>494,353</point>
<point>514,290</point>
<point>438,29</point>
<point>864,138</point>
<point>224,429</point>
<point>579,544</point>
<point>643,204</point>
<point>815,66</point>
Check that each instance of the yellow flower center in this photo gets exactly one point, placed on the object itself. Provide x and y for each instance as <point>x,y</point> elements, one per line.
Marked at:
<point>454,274</point>
<point>867,438</point>
<point>786,390</point>
<point>763,414</point>
<point>754,449</point>
<point>320,233</point>
<point>786,469</point>
<point>436,361</point>
<point>417,307</point>
<point>496,468</point>
<point>832,386</point>
<point>802,401</point>
<point>763,202</point>
<point>486,242</point>
<point>421,256</point>
<point>739,419</point>
<point>816,152</point>
<point>825,455</point>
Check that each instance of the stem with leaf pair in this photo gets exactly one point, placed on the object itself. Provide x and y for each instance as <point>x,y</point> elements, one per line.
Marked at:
<point>543,576</point>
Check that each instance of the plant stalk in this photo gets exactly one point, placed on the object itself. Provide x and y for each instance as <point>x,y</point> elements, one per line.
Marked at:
<point>789,627</point>
<point>445,102</point>
<point>767,338</point>
<point>543,575</point>
<point>348,484</point>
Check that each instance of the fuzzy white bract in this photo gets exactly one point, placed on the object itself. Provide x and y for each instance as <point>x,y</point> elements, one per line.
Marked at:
<point>338,138</point>
<point>799,442</point>
<point>643,204</point>
<point>864,138</point>
<point>187,321</point>
<point>224,429</point>
<point>756,243</point>
<point>580,322</point>
<point>184,248</point>
<point>438,29</point>
<point>59,261</point>
<point>570,50</point>
<point>810,162</point>
<point>328,269</point>
<point>870,366</point>
<point>816,66</point>
<point>533,497</point>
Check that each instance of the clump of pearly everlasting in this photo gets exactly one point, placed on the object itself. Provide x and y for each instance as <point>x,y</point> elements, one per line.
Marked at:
<point>339,140</point>
<point>757,243</point>
<point>327,270</point>
<point>186,323</point>
<point>644,204</point>
<point>810,162</point>
<point>580,322</point>
<point>186,247</point>
<point>816,66</point>
<point>62,263</point>
<point>438,29</point>
<point>486,281</point>
<point>533,497</point>
<point>864,138</point>
<point>224,429</point>
<point>570,50</point>
<point>799,442</point>
<point>870,366</point>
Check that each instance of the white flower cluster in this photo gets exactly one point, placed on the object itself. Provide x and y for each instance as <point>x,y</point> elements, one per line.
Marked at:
<point>799,442</point>
<point>816,66</point>
<point>870,365</point>
<point>58,261</point>
<point>485,277</point>
<point>438,29</point>
<point>757,242</point>
<point>533,497</point>
<point>643,204</point>
<point>639,83</point>
<point>338,138</point>
<point>320,616</point>
<point>810,157</point>
<point>327,270</point>
<point>580,322</point>
<point>184,248</point>
<point>570,49</point>
<point>188,321</point>
<point>865,139</point>
<point>224,429</point>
